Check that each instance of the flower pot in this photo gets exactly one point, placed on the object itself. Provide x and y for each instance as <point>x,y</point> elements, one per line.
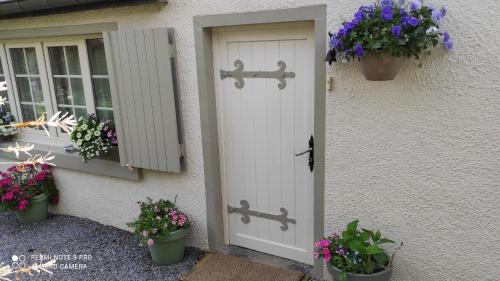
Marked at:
<point>379,276</point>
<point>380,68</point>
<point>169,250</point>
<point>37,210</point>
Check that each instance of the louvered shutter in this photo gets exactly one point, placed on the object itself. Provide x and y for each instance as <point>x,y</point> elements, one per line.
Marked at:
<point>140,67</point>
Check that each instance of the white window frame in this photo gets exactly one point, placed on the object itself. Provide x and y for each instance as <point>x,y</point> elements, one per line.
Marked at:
<point>85,74</point>
<point>6,75</point>
<point>41,46</point>
<point>43,80</point>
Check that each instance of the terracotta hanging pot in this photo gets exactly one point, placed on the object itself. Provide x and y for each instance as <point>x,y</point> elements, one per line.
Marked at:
<point>380,67</point>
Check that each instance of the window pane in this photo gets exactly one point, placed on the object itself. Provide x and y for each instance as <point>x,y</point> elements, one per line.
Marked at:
<point>3,94</point>
<point>80,112</point>
<point>97,57</point>
<point>105,114</point>
<point>40,109</point>
<point>28,112</point>
<point>78,93</point>
<point>65,109</point>
<point>23,87</point>
<point>57,61</point>
<point>61,88</point>
<point>36,89</point>
<point>32,62</point>
<point>17,55</point>
<point>73,60</point>
<point>102,92</point>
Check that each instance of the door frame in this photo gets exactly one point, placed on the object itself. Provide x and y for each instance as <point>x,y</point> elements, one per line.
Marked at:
<point>203,26</point>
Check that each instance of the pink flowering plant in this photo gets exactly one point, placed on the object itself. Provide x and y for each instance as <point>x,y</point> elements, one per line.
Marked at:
<point>22,182</point>
<point>354,251</point>
<point>400,28</point>
<point>158,220</point>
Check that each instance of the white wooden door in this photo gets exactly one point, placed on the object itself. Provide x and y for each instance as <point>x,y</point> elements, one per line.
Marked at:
<point>261,128</point>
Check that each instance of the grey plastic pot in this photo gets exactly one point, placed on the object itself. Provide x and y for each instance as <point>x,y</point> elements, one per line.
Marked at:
<point>169,250</point>
<point>380,68</point>
<point>37,210</point>
<point>379,276</point>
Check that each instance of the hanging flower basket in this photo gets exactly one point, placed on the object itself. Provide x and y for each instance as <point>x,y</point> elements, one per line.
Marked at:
<point>380,68</point>
<point>382,34</point>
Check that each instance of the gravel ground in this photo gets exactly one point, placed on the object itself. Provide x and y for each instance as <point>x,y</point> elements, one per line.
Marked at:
<point>87,250</point>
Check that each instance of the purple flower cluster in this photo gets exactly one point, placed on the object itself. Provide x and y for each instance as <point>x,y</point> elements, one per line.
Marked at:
<point>402,17</point>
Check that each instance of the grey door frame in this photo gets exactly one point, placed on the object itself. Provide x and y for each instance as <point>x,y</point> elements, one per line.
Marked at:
<point>203,26</point>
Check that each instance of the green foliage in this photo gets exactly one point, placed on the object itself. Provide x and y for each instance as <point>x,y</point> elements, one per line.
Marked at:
<point>158,220</point>
<point>355,251</point>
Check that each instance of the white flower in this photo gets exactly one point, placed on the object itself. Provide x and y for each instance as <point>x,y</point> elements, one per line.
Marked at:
<point>79,135</point>
<point>87,137</point>
<point>432,30</point>
<point>97,133</point>
<point>84,127</point>
<point>79,142</point>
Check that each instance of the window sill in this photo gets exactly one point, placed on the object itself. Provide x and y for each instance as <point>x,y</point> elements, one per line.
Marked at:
<point>108,165</point>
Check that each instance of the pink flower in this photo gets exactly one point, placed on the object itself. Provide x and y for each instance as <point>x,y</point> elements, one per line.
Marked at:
<point>150,242</point>
<point>23,204</point>
<point>144,233</point>
<point>8,196</point>
<point>158,218</point>
<point>322,243</point>
<point>327,255</point>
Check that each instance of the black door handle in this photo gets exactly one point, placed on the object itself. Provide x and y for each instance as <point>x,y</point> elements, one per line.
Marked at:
<point>311,153</point>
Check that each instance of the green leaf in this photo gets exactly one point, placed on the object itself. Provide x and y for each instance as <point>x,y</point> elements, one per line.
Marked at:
<point>376,45</point>
<point>381,259</point>
<point>355,245</point>
<point>373,250</point>
<point>351,227</point>
<point>364,236</point>
<point>385,240</point>
<point>346,236</point>
<point>377,236</point>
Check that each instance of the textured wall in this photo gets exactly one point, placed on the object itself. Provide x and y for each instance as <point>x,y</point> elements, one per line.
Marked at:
<point>417,157</point>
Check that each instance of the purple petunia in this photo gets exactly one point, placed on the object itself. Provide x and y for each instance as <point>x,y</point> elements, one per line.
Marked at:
<point>438,15</point>
<point>396,31</point>
<point>336,43</point>
<point>415,5</point>
<point>448,44</point>
<point>387,14</point>
<point>413,21</point>
<point>358,50</point>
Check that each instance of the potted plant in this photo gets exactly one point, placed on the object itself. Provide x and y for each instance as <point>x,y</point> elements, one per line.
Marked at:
<point>380,35</point>
<point>28,189</point>
<point>355,255</point>
<point>163,228</point>
<point>7,118</point>
<point>93,137</point>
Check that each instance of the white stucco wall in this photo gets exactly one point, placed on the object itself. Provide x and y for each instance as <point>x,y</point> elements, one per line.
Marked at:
<point>418,157</point>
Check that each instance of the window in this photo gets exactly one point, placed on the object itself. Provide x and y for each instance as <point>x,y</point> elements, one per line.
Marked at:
<point>4,94</point>
<point>70,76</point>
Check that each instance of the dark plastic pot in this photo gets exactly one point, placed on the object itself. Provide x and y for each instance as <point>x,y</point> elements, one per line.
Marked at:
<point>37,210</point>
<point>379,276</point>
<point>171,249</point>
<point>380,68</point>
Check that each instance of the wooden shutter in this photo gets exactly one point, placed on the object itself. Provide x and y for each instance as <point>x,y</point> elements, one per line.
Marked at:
<point>142,86</point>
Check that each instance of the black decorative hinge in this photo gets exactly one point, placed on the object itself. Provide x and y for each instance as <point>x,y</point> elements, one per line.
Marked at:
<point>311,153</point>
